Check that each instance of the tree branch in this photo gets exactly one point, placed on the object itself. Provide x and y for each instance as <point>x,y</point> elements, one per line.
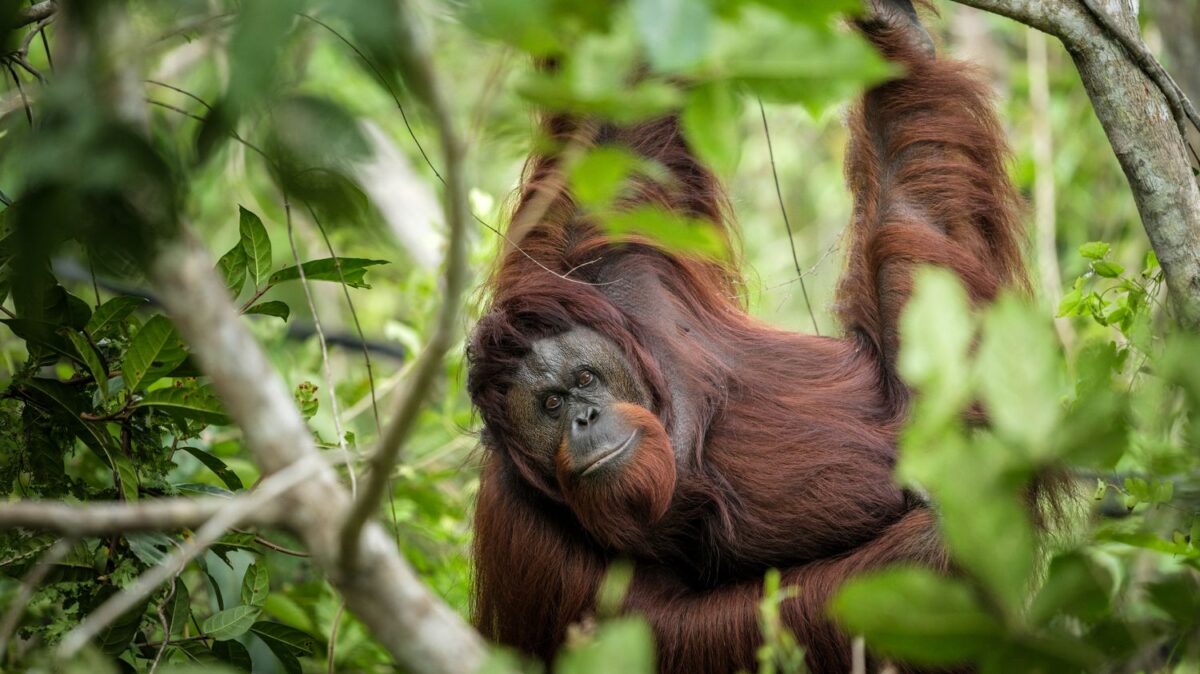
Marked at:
<point>429,363</point>
<point>34,13</point>
<point>97,518</point>
<point>1141,128</point>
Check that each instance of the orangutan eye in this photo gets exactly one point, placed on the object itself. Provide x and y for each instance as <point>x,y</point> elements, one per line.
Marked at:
<point>552,402</point>
<point>585,379</point>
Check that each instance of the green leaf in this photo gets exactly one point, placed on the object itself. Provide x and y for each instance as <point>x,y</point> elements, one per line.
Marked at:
<point>1107,268</point>
<point>598,177</point>
<point>1019,372</point>
<point>232,268</point>
<point>916,615</point>
<point>1077,586</point>
<point>43,335</point>
<point>91,358</point>
<point>288,638</point>
<point>711,123</point>
<point>256,245</point>
<point>353,270</point>
<point>233,653</point>
<point>157,339</point>
<point>936,332</point>
<point>200,403</point>
<point>65,405</point>
<point>674,232</point>
<point>1094,250</point>
<point>117,636</point>
<point>815,12</point>
<point>674,33</point>
<point>107,319</point>
<point>786,62</point>
<point>149,546</point>
<point>127,476</point>
<point>274,308</point>
<point>179,609</point>
<point>217,466</point>
<point>623,645</point>
<point>230,623</point>
<point>256,584</point>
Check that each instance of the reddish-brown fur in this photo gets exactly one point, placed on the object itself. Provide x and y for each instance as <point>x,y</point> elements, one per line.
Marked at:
<point>796,429</point>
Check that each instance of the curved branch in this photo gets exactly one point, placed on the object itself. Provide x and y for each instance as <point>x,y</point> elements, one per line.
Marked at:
<point>429,363</point>
<point>1141,127</point>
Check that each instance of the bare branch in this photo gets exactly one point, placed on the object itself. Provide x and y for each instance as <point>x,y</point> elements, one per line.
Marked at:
<point>35,13</point>
<point>97,518</point>
<point>429,363</point>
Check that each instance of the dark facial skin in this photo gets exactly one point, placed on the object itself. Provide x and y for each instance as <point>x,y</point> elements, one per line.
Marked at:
<point>563,396</point>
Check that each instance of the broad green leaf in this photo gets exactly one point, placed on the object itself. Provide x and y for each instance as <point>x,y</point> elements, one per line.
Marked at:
<point>936,329</point>
<point>816,12</point>
<point>788,62</point>
<point>674,33</point>
<point>65,405</point>
<point>674,232</point>
<point>115,638</point>
<point>711,120</point>
<point>156,339</point>
<point>598,177</point>
<point>234,653</point>
<point>1075,585</point>
<point>127,474</point>
<point>108,317</point>
<point>179,609</point>
<point>984,518</point>
<point>256,245</point>
<point>289,638</point>
<point>91,358</point>
<point>274,308</point>
<point>528,25</point>
<point>1094,250</point>
<point>256,584</point>
<point>232,268</point>
<point>150,546</point>
<point>44,336</point>
<point>1108,268</point>
<point>916,615</point>
<point>623,645</point>
<point>217,466</point>
<point>230,623</point>
<point>354,270</point>
<point>200,404</point>
<point>1019,375</point>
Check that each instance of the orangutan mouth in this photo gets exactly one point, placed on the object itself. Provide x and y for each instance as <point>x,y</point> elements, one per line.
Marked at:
<point>609,455</point>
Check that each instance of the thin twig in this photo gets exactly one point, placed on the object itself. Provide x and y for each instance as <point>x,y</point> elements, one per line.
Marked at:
<point>333,634</point>
<point>337,265</point>
<point>29,584</point>
<point>21,92</point>
<point>165,623</point>
<point>786,223</point>
<point>429,362</point>
<point>235,512</point>
<point>330,384</point>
